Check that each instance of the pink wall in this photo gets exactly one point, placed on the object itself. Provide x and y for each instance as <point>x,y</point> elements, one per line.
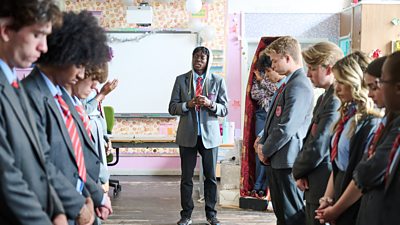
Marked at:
<point>233,70</point>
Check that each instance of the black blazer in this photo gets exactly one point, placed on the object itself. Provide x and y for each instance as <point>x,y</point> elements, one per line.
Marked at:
<point>25,184</point>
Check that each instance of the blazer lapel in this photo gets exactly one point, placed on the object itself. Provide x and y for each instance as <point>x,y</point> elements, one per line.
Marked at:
<point>392,174</point>
<point>55,111</point>
<point>13,100</point>
<point>78,121</point>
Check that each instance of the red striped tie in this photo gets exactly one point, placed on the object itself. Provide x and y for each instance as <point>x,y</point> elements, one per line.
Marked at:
<point>392,154</point>
<point>73,134</point>
<point>15,84</point>
<point>338,133</point>
<point>85,119</point>
<point>199,89</point>
<point>377,135</point>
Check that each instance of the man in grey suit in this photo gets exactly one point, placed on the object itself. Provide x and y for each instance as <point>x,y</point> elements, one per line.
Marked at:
<point>198,97</point>
<point>26,193</point>
<point>285,128</point>
<point>312,166</point>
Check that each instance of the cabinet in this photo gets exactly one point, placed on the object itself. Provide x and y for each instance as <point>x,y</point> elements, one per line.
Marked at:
<point>369,26</point>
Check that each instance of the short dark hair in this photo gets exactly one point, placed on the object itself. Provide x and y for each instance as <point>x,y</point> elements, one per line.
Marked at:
<point>375,67</point>
<point>80,41</point>
<point>263,62</point>
<point>28,12</point>
<point>203,50</point>
<point>392,64</point>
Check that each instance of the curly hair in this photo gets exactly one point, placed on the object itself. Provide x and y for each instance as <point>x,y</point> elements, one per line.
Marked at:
<point>285,45</point>
<point>29,12</point>
<point>80,41</point>
<point>349,72</point>
<point>97,72</point>
<point>322,53</point>
<point>263,62</point>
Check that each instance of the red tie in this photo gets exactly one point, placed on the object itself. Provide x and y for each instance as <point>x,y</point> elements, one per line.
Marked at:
<point>279,93</point>
<point>338,133</point>
<point>85,119</point>
<point>15,84</point>
<point>199,89</point>
<point>377,135</point>
<point>392,154</point>
<point>73,134</point>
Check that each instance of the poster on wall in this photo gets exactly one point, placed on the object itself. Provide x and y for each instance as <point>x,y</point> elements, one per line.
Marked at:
<point>345,44</point>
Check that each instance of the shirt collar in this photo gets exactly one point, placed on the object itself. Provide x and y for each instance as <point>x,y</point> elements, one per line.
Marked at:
<point>197,75</point>
<point>54,89</point>
<point>10,73</point>
<point>279,83</point>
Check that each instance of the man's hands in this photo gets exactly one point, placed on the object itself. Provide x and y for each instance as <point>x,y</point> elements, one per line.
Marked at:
<point>199,101</point>
<point>105,210</point>
<point>302,184</point>
<point>60,219</point>
<point>86,215</point>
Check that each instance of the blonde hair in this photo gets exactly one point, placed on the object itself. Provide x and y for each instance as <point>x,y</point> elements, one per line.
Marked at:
<point>285,45</point>
<point>322,53</point>
<point>97,72</point>
<point>349,72</point>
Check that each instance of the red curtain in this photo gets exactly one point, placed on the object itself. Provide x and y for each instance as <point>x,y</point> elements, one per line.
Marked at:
<point>248,178</point>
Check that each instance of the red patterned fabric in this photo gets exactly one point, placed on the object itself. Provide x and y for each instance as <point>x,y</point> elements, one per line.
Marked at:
<point>199,89</point>
<point>15,84</point>
<point>339,130</point>
<point>391,156</point>
<point>248,178</point>
<point>85,119</point>
<point>73,134</point>
<point>377,136</point>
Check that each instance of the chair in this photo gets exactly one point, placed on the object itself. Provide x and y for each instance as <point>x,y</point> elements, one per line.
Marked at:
<point>109,116</point>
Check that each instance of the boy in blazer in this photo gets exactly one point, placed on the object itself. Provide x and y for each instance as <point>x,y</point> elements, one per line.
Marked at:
<point>312,166</point>
<point>78,43</point>
<point>199,98</point>
<point>285,128</point>
<point>27,196</point>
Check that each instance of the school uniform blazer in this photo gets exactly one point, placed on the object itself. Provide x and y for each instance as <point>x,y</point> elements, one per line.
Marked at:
<point>391,198</point>
<point>369,176</point>
<point>26,195</point>
<point>53,134</point>
<point>183,91</point>
<point>313,162</point>
<point>357,146</point>
<point>288,121</point>
<point>92,161</point>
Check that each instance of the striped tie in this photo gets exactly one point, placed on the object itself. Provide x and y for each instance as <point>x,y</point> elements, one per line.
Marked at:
<point>391,156</point>
<point>85,119</point>
<point>199,89</point>
<point>73,134</point>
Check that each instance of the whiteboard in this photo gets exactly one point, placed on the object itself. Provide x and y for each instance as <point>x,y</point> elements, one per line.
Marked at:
<point>146,65</point>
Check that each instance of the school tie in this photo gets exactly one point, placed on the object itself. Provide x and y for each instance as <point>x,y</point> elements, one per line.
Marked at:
<point>199,89</point>
<point>278,92</point>
<point>85,119</point>
<point>15,84</point>
<point>377,136</point>
<point>391,156</point>
<point>338,133</point>
<point>73,134</point>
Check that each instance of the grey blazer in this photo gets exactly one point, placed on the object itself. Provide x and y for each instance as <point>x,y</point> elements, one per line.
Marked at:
<point>183,91</point>
<point>313,161</point>
<point>288,121</point>
<point>53,134</point>
<point>25,184</point>
<point>369,176</point>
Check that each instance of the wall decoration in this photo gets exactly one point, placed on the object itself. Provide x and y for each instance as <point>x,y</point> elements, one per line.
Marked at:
<point>395,45</point>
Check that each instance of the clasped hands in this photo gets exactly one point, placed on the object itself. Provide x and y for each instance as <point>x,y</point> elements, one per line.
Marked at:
<point>258,148</point>
<point>199,100</point>
<point>327,212</point>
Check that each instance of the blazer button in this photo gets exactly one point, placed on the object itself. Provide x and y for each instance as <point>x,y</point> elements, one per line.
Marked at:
<point>42,178</point>
<point>76,175</point>
<point>97,162</point>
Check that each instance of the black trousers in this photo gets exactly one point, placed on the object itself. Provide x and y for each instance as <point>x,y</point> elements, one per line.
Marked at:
<point>188,163</point>
<point>286,198</point>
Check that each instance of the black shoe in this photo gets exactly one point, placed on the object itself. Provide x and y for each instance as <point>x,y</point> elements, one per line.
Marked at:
<point>184,221</point>
<point>213,221</point>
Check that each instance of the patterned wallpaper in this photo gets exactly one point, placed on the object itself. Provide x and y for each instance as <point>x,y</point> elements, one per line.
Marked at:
<point>165,16</point>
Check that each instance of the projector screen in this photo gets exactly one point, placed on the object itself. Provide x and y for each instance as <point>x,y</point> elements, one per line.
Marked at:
<point>146,65</point>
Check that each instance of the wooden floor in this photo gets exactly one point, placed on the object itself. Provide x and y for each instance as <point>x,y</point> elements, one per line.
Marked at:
<point>155,200</point>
